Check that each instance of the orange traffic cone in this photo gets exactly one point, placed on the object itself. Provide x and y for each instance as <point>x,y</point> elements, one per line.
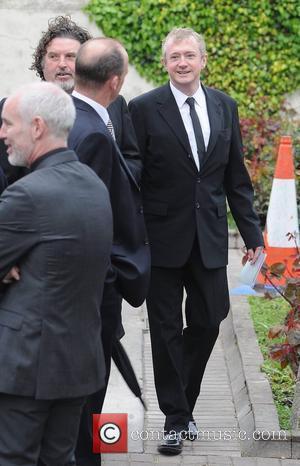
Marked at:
<point>282,217</point>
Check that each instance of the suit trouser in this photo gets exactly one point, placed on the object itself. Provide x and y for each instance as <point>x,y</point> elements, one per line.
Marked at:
<point>111,320</point>
<point>31,428</point>
<point>180,356</point>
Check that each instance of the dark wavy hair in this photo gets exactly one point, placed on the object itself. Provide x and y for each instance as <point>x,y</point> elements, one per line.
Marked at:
<point>61,26</point>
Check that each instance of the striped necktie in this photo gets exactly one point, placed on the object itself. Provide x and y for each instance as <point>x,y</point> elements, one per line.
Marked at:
<point>111,129</point>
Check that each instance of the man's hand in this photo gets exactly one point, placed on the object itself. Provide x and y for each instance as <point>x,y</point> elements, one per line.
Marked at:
<point>13,274</point>
<point>252,255</point>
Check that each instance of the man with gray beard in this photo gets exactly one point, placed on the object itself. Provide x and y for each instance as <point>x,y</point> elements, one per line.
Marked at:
<point>55,242</point>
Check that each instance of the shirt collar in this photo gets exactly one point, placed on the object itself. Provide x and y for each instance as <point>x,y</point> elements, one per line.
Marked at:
<point>199,97</point>
<point>102,112</point>
<point>180,97</point>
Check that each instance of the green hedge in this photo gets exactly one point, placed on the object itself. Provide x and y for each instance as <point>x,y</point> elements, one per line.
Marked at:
<point>253,45</point>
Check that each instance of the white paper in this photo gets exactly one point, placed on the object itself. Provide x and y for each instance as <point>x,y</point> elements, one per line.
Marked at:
<point>250,271</point>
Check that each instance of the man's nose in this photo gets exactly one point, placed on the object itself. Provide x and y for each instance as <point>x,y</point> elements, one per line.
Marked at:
<point>182,61</point>
<point>62,62</point>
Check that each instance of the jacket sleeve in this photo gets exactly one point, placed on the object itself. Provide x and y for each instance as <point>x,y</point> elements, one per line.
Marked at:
<point>239,190</point>
<point>18,232</point>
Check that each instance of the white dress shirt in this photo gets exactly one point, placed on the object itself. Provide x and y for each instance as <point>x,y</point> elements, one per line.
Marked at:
<point>201,109</point>
<point>102,112</point>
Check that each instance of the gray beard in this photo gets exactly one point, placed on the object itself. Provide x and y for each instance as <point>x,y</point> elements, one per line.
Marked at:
<point>17,159</point>
<point>67,86</point>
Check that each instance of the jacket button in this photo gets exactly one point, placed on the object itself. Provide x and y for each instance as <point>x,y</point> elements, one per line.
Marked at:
<point>141,210</point>
<point>198,180</point>
<point>146,242</point>
<point>197,205</point>
<point>189,156</point>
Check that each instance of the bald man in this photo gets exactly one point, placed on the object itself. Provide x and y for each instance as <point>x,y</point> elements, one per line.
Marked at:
<point>100,69</point>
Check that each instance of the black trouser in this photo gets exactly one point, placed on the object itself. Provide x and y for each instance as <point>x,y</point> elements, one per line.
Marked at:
<point>33,428</point>
<point>111,321</point>
<point>180,356</point>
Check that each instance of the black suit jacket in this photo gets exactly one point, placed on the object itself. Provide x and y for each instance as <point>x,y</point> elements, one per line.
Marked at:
<point>125,135</point>
<point>56,225</point>
<point>130,253</point>
<point>179,201</point>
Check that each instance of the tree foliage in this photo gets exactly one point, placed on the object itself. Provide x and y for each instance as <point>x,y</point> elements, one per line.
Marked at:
<point>253,45</point>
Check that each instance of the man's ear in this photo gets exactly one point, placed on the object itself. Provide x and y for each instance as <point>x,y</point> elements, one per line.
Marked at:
<point>204,60</point>
<point>163,62</point>
<point>114,82</point>
<point>37,127</point>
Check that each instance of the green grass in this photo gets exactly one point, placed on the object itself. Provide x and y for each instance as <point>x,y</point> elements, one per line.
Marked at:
<point>266,313</point>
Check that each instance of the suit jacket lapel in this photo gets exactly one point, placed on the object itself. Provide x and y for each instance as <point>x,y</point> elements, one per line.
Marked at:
<point>167,107</point>
<point>215,116</point>
<point>87,108</point>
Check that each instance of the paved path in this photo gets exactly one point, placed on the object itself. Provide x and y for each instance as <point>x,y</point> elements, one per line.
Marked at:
<point>214,412</point>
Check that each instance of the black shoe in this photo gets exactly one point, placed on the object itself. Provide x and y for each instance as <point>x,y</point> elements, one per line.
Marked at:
<point>171,444</point>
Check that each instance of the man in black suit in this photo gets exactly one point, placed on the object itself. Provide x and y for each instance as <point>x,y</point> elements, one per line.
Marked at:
<point>101,66</point>
<point>191,148</point>
<point>55,242</point>
<point>54,60</point>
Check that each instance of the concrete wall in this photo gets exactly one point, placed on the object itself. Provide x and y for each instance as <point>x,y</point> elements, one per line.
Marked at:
<point>21,24</point>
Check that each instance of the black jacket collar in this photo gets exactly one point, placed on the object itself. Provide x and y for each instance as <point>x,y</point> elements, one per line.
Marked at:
<point>54,157</point>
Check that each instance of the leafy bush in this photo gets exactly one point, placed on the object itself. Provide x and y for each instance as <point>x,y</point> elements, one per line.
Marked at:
<point>261,136</point>
<point>287,352</point>
<point>284,278</point>
<point>253,46</point>
<point>279,320</point>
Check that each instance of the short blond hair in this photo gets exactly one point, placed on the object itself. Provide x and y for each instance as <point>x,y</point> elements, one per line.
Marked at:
<point>179,34</point>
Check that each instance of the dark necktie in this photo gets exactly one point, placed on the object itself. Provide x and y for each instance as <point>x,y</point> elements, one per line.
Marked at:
<point>111,129</point>
<point>197,128</point>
